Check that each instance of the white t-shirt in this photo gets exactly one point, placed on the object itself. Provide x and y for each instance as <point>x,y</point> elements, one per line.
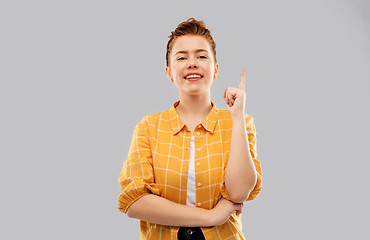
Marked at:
<point>190,199</point>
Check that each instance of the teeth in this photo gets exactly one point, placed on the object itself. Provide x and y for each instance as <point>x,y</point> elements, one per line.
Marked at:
<point>193,76</point>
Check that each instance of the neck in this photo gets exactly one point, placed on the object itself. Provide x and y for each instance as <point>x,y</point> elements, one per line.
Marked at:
<point>194,106</point>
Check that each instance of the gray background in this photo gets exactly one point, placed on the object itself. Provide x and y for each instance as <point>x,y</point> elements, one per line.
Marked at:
<point>76,77</point>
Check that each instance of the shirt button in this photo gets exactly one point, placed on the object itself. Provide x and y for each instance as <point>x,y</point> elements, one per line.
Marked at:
<point>198,133</point>
<point>198,149</point>
<point>199,184</point>
<point>198,164</point>
<point>198,203</point>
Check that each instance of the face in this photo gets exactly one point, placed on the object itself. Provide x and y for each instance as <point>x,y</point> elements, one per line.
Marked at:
<point>192,54</point>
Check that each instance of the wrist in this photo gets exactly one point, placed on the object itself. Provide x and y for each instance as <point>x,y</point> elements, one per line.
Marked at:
<point>238,120</point>
<point>238,117</point>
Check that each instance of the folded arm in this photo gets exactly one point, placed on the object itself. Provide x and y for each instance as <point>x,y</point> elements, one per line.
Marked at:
<point>155,209</point>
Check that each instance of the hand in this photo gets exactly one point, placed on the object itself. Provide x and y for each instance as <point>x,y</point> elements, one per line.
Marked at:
<point>223,210</point>
<point>235,98</point>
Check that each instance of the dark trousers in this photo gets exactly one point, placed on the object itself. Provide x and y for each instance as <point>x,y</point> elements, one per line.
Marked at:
<point>187,233</point>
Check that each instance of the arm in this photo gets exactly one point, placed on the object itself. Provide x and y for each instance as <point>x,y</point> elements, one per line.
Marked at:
<point>155,209</point>
<point>241,174</point>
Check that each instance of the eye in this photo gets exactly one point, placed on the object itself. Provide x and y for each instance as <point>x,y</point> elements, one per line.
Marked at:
<point>180,58</point>
<point>202,56</point>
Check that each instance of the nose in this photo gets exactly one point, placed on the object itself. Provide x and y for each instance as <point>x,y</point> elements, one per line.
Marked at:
<point>192,63</point>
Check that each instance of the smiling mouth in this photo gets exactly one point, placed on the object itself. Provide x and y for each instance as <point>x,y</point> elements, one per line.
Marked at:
<point>193,77</point>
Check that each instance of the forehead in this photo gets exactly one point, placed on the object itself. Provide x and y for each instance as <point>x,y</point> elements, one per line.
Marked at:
<point>190,43</point>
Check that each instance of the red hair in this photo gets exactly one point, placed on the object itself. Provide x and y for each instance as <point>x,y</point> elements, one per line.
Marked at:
<point>190,27</point>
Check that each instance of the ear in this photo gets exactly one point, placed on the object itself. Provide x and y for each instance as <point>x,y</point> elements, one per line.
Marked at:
<point>168,73</point>
<point>216,71</point>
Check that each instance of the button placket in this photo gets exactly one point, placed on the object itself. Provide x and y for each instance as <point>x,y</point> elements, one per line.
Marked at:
<point>198,147</point>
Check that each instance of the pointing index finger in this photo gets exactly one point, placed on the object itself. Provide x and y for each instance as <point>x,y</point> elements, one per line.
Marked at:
<point>242,79</point>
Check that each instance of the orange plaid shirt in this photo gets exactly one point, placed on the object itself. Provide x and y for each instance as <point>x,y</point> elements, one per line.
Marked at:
<point>158,162</point>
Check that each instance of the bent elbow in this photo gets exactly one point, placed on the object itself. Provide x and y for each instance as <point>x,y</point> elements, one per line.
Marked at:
<point>240,198</point>
<point>242,195</point>
<point>129,212</point>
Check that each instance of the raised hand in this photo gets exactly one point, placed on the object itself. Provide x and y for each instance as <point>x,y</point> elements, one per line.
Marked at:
<point>235,98</point>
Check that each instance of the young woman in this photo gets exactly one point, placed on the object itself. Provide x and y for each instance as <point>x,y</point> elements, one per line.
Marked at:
<point>190,168</point>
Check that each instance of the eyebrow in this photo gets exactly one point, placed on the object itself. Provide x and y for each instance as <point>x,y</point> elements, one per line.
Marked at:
<point>198,50</point>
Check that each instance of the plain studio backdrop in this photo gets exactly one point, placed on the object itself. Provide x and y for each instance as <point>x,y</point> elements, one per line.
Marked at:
<point>76,77</point>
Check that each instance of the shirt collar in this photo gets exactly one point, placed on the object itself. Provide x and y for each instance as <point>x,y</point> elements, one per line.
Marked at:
<point>209,123</point>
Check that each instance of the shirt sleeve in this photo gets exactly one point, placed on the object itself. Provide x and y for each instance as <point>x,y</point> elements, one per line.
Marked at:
<point>136,178</point>
<point>251,130</point>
